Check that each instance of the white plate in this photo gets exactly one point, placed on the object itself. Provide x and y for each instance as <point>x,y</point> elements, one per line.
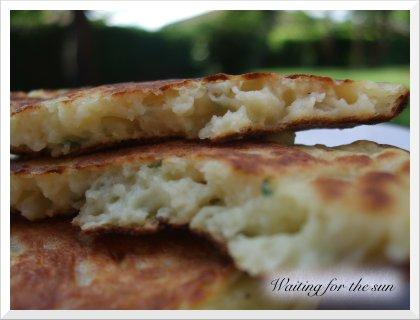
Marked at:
<point>384,133</point>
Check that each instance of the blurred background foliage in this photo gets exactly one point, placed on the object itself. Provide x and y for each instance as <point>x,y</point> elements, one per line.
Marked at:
<point>52,49</point>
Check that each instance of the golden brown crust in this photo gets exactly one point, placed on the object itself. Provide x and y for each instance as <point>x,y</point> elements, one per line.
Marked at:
<point>331,188</point>
<point>249,156</point>
<point>245,155</point>
<point>23,102</point>
<point>20,101</point>
<point>374,190</point>
<point>53,266</point>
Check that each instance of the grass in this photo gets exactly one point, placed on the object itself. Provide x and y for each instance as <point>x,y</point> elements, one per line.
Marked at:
<point>400,74</point>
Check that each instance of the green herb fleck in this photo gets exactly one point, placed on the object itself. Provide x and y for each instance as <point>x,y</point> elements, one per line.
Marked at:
<point>266,189</point>
<point>155,164</point>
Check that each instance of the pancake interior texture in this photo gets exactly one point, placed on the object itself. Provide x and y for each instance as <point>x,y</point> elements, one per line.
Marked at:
<point>53,266</point>
<point>216,107</point>
<point>270,206</point>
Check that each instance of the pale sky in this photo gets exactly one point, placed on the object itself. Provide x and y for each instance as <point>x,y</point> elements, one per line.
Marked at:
<point>151,20</point>
<point>146,19</point>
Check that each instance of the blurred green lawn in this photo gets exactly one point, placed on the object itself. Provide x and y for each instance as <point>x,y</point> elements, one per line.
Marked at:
<point>385,74</point>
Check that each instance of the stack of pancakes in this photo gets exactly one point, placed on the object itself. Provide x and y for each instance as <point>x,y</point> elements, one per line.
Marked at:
<point>186,193</point>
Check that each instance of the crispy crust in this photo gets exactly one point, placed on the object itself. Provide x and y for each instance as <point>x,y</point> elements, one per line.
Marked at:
<point>160,225</point>
<point>250,156</point>
<point>233,152</point>
<point>54,266</point>
<point>23,102</point>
